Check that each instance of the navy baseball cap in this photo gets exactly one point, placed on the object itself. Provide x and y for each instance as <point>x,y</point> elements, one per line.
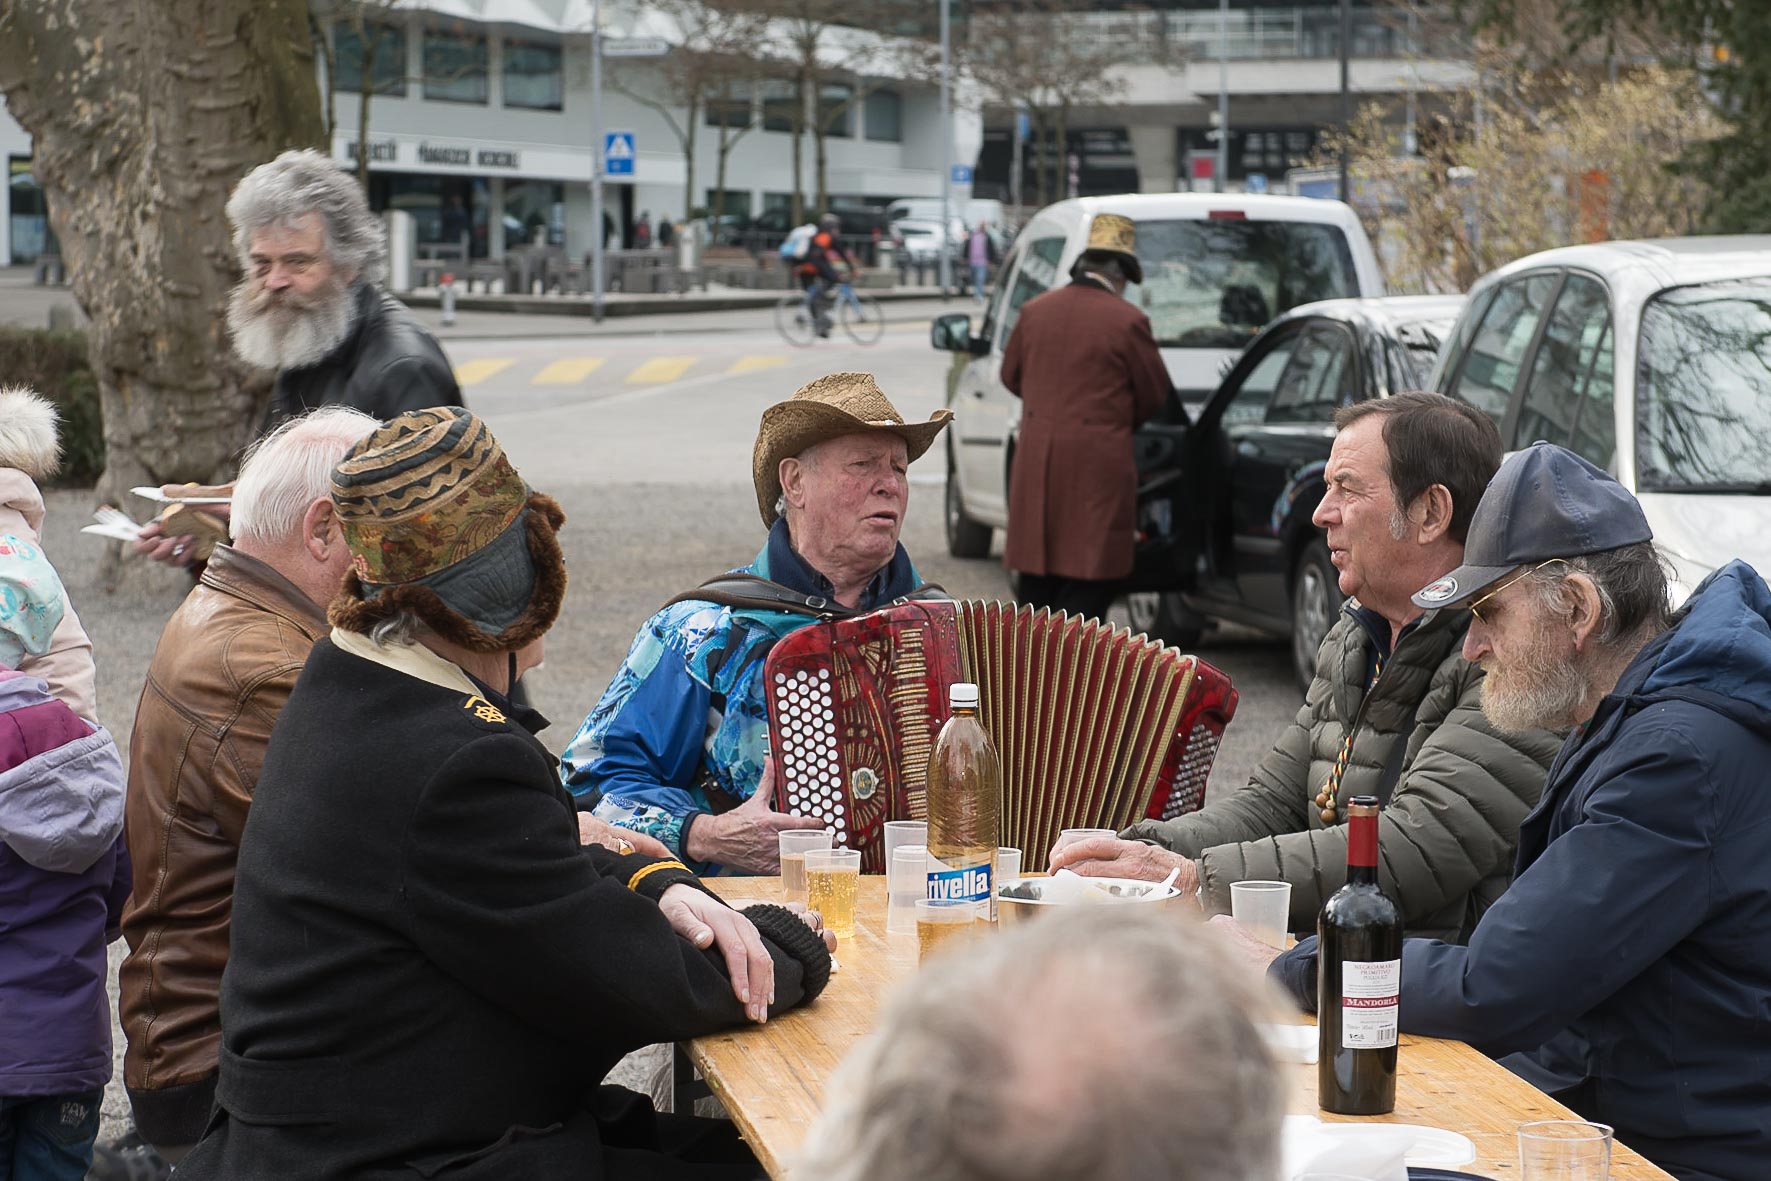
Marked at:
<point>1545,502</point>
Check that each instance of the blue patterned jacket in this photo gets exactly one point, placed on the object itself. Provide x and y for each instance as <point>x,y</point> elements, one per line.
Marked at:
<point>686,713</point>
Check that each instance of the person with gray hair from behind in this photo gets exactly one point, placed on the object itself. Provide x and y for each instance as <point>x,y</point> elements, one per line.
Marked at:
<point>1120,1046</point>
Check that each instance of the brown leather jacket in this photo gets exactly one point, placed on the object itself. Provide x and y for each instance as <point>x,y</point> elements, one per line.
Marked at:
<point>221,674</point>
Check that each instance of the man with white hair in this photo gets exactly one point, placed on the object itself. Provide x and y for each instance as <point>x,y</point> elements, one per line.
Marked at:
<point>310,305</point>
<point>1120,1047</point>
<point>223,668</point>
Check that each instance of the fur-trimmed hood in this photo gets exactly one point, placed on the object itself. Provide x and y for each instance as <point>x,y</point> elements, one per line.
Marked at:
<point>28,437</point>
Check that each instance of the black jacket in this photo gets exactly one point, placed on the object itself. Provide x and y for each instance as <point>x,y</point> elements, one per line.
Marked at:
<point>428,975</point>
<point>389,364</point>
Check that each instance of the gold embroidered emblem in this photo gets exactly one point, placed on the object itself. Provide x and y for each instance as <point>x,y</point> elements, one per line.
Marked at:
<point>483,709</point>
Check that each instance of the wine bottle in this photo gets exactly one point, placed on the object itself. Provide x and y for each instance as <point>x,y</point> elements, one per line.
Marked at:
<point>1358,980</point>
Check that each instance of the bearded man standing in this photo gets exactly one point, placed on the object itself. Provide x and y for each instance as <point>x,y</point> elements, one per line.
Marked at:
<point>310,307</point>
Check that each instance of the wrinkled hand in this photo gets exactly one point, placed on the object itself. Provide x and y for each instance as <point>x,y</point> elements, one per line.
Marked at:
<point>707,922</point>
<point>179,551</point>
<point>747,838</point>
<point>1243,946</point>
<point>592,831</point>
<point>1110,857</point>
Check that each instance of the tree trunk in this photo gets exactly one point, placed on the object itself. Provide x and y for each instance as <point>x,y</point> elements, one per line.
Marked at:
<point>1061,157</point>
<point>1042,142</point>
<point>323,46</point>
<point>365,87</point>
<point>142,118</point>
<point>799,150</point>
<point>690,129</point>
<point>821,154</point>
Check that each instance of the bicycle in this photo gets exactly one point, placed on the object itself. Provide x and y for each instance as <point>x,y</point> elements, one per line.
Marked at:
<point>860,316</point>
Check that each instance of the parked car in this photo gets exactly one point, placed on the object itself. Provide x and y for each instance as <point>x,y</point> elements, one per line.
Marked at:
<point>1225,500</point>
<point>1651,359</point>
<point>922,241</point>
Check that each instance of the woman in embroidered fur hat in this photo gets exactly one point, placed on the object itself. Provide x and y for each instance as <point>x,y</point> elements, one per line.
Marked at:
<point>428,975</point>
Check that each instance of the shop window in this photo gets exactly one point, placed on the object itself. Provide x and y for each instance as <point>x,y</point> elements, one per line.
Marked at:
<point>532,76</point>
<point>779,103</point>
<point>885,116</point>
<point>732,108</point>
<point>836,110</point>
<point>454,67</point>
<point>372,47</point>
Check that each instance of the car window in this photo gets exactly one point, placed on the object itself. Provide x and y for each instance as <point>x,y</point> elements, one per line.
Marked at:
<point>1318,381</point>
<point>1497,349</point>
<point>1215,283</point>
<point>1038,274</point>
<point>1703,422</point>
<point>1248,403</point>
<point>1595,422</point>
<point>998,297</point>
<point>1564,364</point>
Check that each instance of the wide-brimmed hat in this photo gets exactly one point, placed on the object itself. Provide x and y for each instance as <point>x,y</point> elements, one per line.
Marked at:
<point>1118,235</point>
<point>441,525</point>
<point>835,405</point>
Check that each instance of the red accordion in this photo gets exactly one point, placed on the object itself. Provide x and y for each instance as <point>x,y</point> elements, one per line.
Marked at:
<point>1097,727</point>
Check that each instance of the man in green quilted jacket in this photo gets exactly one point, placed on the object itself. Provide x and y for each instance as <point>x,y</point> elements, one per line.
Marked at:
<point>1394,710</point>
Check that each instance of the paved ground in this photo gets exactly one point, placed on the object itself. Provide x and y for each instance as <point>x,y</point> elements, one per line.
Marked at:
<point>645,439</point>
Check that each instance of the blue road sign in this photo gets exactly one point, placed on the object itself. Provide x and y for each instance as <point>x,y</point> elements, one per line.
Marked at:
<point>1023,125</point>
<point>962,174</point>
<point>1256,182</point>
<point>618,153</point>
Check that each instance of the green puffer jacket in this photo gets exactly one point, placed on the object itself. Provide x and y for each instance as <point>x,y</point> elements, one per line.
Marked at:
<point>1454,788</point>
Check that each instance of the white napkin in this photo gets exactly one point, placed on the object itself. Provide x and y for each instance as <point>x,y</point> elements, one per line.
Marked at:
<point>1292,1043</point>
<point>1372,1151</point>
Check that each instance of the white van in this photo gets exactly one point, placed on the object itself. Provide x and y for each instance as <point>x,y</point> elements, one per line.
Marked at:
<point>969,213</point>
<point>1217,268</point>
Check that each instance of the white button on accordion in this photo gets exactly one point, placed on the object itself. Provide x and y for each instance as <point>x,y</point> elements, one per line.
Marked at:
<point>1097,726</point>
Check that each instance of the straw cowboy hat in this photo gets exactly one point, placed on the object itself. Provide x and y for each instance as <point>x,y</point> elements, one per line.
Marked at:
<point>1118,235</point>
<point>836,405</point>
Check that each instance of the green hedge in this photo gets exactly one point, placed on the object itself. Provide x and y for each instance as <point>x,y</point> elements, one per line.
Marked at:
<point>54,363</point>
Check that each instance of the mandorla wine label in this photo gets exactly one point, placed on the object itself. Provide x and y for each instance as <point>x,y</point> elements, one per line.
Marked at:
<point>1370,999</point>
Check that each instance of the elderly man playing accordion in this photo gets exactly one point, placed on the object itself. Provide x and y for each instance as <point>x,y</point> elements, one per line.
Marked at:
<point>677,746</point>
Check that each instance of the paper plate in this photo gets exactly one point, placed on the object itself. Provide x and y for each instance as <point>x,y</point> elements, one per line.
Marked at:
<point>1436,1146</point>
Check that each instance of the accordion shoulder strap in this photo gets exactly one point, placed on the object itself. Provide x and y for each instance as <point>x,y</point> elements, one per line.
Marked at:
<point>760,594</point>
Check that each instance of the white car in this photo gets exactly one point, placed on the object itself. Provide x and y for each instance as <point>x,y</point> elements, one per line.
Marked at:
<point>1661,346</point>
<point>1217,268</point>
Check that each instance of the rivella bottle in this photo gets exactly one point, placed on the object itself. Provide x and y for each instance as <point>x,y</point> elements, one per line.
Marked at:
<point>965,806</point>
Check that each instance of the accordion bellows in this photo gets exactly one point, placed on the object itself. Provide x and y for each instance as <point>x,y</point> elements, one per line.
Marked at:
<point>1097,727</point>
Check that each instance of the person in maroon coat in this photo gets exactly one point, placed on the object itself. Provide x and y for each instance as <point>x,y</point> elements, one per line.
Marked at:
<point>1085,365</point>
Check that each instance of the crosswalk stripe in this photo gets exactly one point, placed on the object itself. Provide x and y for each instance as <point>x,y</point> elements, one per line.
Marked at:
<point>568,371</point>
<point>660,369</point>
<point>752,364</point>
<point>474,372</point>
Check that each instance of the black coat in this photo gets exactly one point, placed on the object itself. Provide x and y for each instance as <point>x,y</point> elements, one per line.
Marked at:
<point>428,975</point>
<point>389,364</point>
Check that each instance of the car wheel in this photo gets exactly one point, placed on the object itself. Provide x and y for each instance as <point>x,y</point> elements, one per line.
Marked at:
<point>1315,605</point>
<point>1163,616</point>
<point>966,538</point>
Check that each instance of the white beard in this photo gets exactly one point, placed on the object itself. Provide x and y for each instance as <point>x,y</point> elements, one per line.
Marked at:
<point>291,333</point>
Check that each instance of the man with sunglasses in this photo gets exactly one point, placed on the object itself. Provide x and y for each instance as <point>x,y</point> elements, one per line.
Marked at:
<point>1627,970</point>
<point>1394,710</point>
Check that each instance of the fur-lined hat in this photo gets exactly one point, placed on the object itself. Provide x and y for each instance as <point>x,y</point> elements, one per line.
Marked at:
<point>28,439</point>
<point>441,525</point>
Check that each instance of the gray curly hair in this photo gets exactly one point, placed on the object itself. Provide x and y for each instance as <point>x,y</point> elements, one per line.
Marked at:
<point>298,183</point>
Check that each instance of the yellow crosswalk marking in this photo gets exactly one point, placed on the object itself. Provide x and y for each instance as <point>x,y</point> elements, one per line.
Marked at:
<point>752,364</point>
<point>474,372</point>
<point>568,371</point>
<point>661,369</point>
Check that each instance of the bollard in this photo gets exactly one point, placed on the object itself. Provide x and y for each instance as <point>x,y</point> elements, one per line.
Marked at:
<point>446,285</point>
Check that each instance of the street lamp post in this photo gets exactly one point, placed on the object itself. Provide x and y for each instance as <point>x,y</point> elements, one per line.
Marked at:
<point>597,267</point>
<point>946,261</point>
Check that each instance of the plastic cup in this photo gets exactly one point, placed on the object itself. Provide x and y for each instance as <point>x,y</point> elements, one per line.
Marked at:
<point>1008,863</point>
<point>899,833</point>
<point>942,922</point>
<point>907,883</point>
<point>833,879</point>
<point>1564,1150</point>
<point>1263,908</point>
<point>1072,835</point>
<point>795,843</point>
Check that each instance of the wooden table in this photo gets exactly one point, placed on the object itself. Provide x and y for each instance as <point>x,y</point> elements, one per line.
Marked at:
<point>772,1079</point>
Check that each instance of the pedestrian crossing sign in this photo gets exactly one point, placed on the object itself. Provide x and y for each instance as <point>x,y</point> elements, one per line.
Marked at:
<point>618,153</point>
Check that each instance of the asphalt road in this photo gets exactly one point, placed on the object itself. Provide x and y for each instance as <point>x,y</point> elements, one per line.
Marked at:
<point>645,438</point>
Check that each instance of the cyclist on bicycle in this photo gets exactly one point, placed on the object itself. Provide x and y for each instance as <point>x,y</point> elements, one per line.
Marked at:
<point>817,270</point>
